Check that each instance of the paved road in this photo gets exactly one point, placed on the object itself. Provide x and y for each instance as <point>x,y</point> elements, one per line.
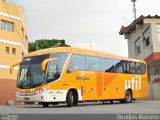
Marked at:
<point>137,107</point>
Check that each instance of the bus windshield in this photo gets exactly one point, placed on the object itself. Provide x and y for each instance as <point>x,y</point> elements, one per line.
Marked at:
<point>30,74</point>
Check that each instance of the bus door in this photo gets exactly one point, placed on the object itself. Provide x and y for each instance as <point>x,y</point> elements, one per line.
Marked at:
<point>89,85</point>
<point>93,84</point>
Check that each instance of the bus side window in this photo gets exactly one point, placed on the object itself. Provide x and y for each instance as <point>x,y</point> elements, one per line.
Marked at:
<point>93,63</point>
<point>119,66</point>
<point>77,62</point>
<point>107,64</point>
<point>132,69</point>
<point>142,68</point>
<point>138,68</point>
<point>125,66</point>
<point>128,67</point>
<point>55,67</point>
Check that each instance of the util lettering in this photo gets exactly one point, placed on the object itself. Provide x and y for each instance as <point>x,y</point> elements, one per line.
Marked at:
<point>134,83</point>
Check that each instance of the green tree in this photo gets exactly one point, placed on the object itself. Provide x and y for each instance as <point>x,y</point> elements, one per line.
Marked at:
<point>46,43</point>
<point>31,46</point>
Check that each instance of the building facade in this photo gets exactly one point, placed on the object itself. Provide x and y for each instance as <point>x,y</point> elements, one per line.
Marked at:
<point>13,45</point>
<point>143,36</point>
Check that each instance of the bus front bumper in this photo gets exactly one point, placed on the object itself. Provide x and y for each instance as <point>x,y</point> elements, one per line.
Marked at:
<point>45,96</point>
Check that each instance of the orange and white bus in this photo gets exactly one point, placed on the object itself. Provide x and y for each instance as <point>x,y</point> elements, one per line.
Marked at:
<point>71,75</point>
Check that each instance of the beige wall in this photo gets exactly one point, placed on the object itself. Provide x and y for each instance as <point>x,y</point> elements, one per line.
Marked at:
<point>4,73</point>
<point>8,59</point>
<point>16,39</point>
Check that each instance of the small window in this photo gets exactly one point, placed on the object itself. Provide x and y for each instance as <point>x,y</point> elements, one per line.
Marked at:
<point>158,31</point>
<point>146,41</point>
<point>7,50</point>
<point>107,64</point>
<point>26,38</point>
<point>77,63</point>
<point>22,31</point>
<point>138,46</point>
<point>93,63</point>
<point>22,54</point>
<point>14,51</point>
<point>5,25</point>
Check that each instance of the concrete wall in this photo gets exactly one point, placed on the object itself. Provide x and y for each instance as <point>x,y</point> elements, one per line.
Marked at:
<point>145,52</point>
<point>154,34</point>
<point>155,91</point>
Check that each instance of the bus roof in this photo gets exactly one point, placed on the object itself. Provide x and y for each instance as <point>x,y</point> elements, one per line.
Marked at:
<point>79,51</point>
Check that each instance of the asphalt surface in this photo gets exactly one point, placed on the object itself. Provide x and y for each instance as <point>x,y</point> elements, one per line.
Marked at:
<point>137,107</point>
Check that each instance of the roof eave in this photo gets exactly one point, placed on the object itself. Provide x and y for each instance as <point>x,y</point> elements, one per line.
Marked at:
<point>129,28</point>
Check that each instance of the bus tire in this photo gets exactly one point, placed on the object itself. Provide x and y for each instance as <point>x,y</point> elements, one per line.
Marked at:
<point>75,98</point>
<point>111,101</point>
<point>69,99</point>
<point>55,103</point>
<point>45,105</point>
<point>128,97</point>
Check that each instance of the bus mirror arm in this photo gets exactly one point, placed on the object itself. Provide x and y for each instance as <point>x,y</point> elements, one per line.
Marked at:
<point>68,71</point>
<point>11,68</point>
<point>44,63</point>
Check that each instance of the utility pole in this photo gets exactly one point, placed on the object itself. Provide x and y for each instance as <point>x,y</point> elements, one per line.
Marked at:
<point>134,8</point>
<point>90,44</point>
<point>37,45</point>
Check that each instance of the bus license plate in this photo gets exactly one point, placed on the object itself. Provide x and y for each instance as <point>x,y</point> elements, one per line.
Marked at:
<point>26,98</point>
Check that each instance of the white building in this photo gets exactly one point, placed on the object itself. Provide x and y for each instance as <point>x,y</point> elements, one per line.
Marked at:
<point>143,36</point>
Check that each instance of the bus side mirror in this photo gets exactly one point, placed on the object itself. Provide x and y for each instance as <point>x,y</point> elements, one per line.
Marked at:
<point>44,63</point>
<point>11,68</point>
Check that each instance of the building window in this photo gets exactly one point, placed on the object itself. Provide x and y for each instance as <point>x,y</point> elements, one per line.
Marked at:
<point>138,46</point>
<point>14,51</point>
<point>146,41</point>
<point>26,38</point>
<point>158,31</point>
<point>5,25</point>
<point>7,50</point>
<point>22,54</point>
<point>22,32</point>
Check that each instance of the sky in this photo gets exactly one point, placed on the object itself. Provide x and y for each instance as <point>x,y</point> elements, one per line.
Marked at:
<point>91,24</point>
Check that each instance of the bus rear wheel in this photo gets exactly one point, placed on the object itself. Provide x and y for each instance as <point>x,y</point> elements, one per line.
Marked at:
<point>128,97</point>
<point>45,105</point>
<point>111,101</point>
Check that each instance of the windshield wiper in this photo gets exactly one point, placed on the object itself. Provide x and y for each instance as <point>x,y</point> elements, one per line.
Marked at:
<point>27,76</point>
<point>22,82</point>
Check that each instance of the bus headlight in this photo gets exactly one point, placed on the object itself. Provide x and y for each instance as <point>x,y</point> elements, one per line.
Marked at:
<point>37,91</point>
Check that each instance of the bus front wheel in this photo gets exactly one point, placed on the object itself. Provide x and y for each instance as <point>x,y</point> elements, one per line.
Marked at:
<point>69,99</point>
